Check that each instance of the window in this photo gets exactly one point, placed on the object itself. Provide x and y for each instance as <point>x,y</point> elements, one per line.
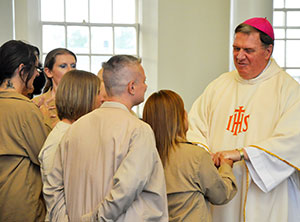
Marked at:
<point>94,30</point>
<point>286,22</point>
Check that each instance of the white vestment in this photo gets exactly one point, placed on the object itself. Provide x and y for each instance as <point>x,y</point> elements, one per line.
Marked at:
<point>263,116</point>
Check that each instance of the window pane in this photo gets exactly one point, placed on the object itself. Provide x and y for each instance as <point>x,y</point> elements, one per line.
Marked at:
<point>100,11</point>
<point>125,40</point>
<point>292,3</point>
<point>52,10</point>
<point>97,63</point>
<point>292,53</point>
<point>293,18</point>
<point>124,11</point>
<point>78,39</point>
<point>53,37</point>
<point>279,33</point>
<point>77,10</point>
<point>278,18</point>
<point>278,3</point>
<point>102,40</point>
<point>293,33</point>
<point>295,73</point>
<point>83,63</point>
<point>278,53</point>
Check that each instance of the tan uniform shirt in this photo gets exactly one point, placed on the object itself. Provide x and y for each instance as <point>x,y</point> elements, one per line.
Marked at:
<point>107,166</point>
<point>193,181</point>
<point>22,134</point>
<point>46,103</point>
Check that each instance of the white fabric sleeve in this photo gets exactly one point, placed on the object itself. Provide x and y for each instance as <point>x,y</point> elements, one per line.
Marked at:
<point>294,196</point>
<point>53,190</point>
<point>266,170</point>
<point>130,178</point>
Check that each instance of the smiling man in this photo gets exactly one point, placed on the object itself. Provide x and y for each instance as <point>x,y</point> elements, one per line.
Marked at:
<point>251,115</point>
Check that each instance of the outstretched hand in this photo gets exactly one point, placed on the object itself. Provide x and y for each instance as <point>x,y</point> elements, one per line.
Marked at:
<point>228,156</point>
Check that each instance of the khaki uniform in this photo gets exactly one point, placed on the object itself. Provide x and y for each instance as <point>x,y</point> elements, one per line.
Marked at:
<point>193,182</point>
<point>44,102</point>
<point>22,134</point>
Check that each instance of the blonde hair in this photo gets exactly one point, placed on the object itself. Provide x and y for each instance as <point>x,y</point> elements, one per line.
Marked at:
<point>76,94</point>
<point>164,112</point>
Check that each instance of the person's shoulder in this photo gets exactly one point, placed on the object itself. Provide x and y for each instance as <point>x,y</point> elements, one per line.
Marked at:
<point>220,82</point>
<point>87,119</point>
<point>43,95</point>
<point>22,103</point>
<point>192,149</point>
<point>216,87</point>
<point>288,79</point>
<point>141,124</point>
<point>189,155</point>
<point>226,76</point>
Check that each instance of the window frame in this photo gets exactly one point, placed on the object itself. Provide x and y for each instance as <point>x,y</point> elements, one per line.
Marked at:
<point>285,27</point>
<point>88,24</point>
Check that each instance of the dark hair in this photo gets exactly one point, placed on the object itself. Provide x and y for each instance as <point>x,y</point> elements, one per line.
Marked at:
<point>50,61</point>
<point>114,79</point>
<point>12,54</point>
<point>76,94</point>
<point>164,112</point>
<point>247,29</point>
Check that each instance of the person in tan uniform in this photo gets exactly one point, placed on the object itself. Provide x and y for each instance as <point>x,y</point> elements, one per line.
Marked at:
<point>107,167</point>
<point>22,134</point>
<point>78,93</point>
<point>57,63</point>
<point>192,179</point>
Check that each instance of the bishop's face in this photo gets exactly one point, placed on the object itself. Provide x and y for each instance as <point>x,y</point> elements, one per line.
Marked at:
<point>250,56</point>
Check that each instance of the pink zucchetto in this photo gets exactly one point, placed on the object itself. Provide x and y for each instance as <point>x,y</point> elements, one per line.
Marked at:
<point>261,24</point>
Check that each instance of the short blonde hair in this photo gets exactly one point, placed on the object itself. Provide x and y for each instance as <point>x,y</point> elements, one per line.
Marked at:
<point>164,112</point>
<point>76,94</point>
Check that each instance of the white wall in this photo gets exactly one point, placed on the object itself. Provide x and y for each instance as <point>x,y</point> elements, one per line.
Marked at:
<point>149,38</point>
<point>6,21</point>
<point>27,21</point>
<point>193,42</point>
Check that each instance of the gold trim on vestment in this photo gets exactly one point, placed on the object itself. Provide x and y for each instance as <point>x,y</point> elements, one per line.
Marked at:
<point>275,156</point>
<point>246,194</point>
<point>206,147</point>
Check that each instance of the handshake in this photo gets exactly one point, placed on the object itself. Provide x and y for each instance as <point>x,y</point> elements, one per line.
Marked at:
<point>228,156</point>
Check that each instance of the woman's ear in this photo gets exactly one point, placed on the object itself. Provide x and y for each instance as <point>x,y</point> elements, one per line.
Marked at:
<point>48,72</point>
<point>20,71</point>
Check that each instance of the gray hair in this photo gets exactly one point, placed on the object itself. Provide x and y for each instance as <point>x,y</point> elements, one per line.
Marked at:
<point>114,76</point>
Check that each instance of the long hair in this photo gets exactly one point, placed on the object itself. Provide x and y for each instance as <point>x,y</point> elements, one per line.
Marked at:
<point>50,61</point>
<point>76,94</point>
<point>164,112</point>
<point>12,54</point>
